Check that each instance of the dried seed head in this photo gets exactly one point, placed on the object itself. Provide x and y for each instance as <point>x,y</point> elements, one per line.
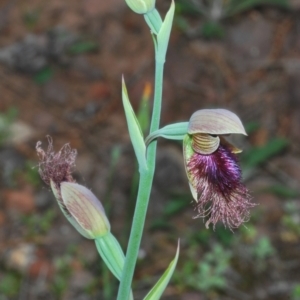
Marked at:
<point>56,167</point>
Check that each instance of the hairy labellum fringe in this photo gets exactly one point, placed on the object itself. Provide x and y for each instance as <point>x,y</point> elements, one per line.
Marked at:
<point>221,194</point>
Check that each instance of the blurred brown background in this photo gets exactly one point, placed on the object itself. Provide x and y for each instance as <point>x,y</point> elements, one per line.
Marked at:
<point>61,64</point>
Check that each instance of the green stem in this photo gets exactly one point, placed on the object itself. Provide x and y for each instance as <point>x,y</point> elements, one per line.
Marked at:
<point>145,185</point>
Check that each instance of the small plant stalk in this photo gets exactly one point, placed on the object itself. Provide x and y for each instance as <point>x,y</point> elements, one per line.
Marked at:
<point>145,185</point>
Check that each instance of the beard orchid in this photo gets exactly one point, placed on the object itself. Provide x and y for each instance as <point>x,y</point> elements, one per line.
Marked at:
<point>212,168</point>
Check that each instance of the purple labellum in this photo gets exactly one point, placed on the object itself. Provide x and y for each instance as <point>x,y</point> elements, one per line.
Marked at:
<point>220,193</point>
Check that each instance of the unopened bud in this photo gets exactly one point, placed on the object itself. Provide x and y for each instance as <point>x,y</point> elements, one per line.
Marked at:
<point>86,209</point>
<point>141,6</point>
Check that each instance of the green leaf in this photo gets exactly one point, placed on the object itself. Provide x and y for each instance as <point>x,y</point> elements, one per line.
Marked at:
<point>212,30</point>
<point>9,285</point>
<point>135,131</point>
<point>224,236</point>
<point>163,35</point>
<point>175,131</point>
<point>252,127</point>
<point>188,7</point>
<point>296,292</point>
<point>175,206</point>
<point>202,236</point>
<point>43,76</point>
<point>263,248</point>
<point>6,120</point>
<point>160,224</point>
<point>239,6</point>
<point>31,18</point>
<point>259,155</point>
<point>162,283</point>
<point>282,191</point>
<point>83,47</point>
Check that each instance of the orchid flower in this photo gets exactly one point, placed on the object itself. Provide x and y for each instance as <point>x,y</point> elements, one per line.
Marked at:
<point>212,168</point>
<point>211,165</point>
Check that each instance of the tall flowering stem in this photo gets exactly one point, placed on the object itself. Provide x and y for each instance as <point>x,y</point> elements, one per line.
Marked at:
<point>145,185</point>
<point>160,33</point>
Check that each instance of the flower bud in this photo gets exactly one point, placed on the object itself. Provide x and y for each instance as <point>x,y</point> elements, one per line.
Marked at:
<point>141,6</point>
<point>86,209</point>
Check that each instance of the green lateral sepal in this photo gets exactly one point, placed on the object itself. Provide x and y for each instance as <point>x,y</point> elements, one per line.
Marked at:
<point>112,254</point>
<point>154,21</point>
<point>175,131</point>
<point>162,283</point>
<point>135,131</point>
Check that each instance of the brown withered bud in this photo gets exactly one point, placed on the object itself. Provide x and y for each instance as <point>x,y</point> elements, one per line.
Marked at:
<point>56,166</point>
